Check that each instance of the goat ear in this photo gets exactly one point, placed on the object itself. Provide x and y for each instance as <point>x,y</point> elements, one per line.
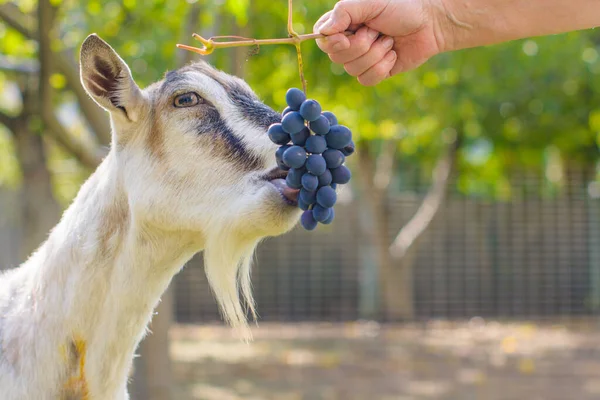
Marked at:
<point>108,79</point>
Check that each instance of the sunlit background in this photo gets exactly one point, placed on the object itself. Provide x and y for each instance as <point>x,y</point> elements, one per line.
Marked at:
<point>464,262</point>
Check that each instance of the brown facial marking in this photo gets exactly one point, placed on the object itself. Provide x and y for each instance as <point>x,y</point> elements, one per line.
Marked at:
<point>228,82</point>
<point>214,136</point>
<point>242,96</point>
<point>222,147</point>
<point>155,139</point>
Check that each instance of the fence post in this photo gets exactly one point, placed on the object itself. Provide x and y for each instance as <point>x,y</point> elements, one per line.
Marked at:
<point>369,306</point>
<point>593,206</point>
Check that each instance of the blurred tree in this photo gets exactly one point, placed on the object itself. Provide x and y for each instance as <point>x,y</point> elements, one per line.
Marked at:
<point>39,211</point>
<point>395,258</point>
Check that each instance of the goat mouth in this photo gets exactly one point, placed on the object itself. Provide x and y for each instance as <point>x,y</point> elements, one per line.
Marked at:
<point>275,173</point>
<point>276,177</point>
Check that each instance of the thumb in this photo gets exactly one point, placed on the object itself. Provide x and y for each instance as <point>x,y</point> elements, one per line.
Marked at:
<point>350,12</point>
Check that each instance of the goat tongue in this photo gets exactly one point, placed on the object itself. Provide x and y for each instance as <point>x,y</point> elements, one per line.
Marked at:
<point>291,194</point>
<point>287,192</point>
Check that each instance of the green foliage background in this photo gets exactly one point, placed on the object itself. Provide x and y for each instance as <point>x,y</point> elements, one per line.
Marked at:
<point>527,105</point>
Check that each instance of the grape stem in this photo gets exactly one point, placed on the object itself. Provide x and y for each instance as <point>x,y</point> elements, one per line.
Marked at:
<point>213,43</point>
<point>297,44</point>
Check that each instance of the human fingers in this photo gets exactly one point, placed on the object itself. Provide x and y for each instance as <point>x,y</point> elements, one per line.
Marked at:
<point>376,53</point>
<point>379,71</point>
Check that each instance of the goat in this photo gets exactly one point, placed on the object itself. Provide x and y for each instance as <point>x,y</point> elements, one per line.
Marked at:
<point>190,168</point>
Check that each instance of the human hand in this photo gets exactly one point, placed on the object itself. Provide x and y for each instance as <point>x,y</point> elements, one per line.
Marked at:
<point>392,36</point>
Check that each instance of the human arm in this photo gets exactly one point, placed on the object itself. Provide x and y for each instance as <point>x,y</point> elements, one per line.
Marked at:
<point>421,29</point>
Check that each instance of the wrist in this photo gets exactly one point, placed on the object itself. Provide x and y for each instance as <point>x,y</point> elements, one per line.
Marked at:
<point>448,26</point>
<point>461,24</point>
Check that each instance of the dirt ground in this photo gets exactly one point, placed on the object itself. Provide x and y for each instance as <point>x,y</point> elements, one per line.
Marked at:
<point>367,361</point>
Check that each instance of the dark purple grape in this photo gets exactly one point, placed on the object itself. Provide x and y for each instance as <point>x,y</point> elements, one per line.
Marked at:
<point>299,138</point>
<point>310,110</point>
<point>308,220</point>
<point>321,214</point>
<point>331,117</point>
<point>339,137</point>
<point>325,179</point>
<point>294,178</point>
<point>294,157</point>
<point>303,205</point>
<point>294,98</point>
<point>341,175</point>
<point>349,150</point>
<point>292,122</point>
<point>278,135</point>
<point>326,197</point>
<point>320,126</point>
<point>308,197</point>
<point>279,157</point>
<point>315,164</point>
<point>316,144</point>
<point>310,182</point>
<point>280,151</point>
<point>331,217</point>
<point>333,158</point>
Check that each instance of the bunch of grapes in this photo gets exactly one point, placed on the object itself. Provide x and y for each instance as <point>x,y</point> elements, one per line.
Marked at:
<point>315,158</point>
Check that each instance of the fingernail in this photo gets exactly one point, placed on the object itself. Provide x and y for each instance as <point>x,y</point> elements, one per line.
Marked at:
<point>372,33</point>
<point>390,56</point>
<point>388,42</point>
<point>326,26</point>
<point>320,24</point>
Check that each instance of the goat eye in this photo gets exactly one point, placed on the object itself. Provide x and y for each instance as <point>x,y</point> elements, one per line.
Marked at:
<point>186,100</point>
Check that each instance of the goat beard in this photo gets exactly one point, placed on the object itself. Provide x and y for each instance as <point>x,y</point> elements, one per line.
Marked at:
<point>228,264</point>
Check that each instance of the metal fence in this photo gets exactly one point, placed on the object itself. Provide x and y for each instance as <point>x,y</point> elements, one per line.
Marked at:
<point>531,257</point>
<point>534,256</point>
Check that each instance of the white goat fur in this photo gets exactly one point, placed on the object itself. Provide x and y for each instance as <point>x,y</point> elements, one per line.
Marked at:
<point>176,181</point>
